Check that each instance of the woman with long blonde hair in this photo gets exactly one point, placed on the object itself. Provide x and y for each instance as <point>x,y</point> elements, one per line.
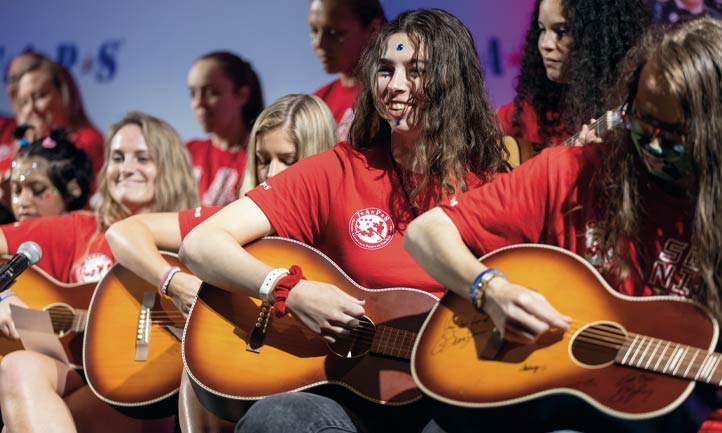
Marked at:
<point>290,129</point>
<point>146,169</point>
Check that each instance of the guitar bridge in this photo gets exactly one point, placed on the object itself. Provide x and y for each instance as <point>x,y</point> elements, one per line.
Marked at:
<point>142,337</point>
<point>255,342</point>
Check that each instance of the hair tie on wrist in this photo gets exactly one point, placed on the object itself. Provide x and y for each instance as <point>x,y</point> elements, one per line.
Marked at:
<point>165,282</point>
<point>283,288</point>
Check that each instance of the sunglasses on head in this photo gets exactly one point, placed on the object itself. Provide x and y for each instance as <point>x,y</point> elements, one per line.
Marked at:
<point>642,133</point>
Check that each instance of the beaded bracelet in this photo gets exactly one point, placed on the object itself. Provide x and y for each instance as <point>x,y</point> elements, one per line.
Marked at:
<point>6,294</point>
<point>269,282</point>
<point>478,287</point>
<point>165,282</point>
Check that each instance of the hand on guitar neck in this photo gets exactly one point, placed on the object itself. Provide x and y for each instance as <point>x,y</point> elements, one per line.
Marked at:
<point>587,135</point>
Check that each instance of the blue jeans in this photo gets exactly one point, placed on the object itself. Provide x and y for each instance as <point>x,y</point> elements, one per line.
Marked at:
<point>304,412</point>
<point>296,412</point>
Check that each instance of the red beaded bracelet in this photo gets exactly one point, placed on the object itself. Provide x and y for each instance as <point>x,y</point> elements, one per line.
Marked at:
<point>283,288</point>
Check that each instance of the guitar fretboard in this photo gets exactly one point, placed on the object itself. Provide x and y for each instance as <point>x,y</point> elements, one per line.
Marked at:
<point>671,359</point>
<point>601,126</point>
<point>394,342</point>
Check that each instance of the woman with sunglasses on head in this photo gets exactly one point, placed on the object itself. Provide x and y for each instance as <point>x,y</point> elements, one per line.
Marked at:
<point>424,130</point>
<point>569,63</point>
<point>643,208</point>
<point>48,97</point>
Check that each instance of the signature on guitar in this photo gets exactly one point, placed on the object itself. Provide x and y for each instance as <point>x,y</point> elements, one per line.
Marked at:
<point>460,331</point>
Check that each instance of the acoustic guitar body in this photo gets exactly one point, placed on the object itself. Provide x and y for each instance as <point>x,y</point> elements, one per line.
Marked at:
<point>460,360</point>
<point>117,369</point>
<point>229,365</point>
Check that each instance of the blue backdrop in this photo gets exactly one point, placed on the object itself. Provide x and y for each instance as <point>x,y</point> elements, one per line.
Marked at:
<point>135,54</point>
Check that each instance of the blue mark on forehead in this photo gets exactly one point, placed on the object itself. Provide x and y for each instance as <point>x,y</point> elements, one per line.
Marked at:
<point>399,47</point>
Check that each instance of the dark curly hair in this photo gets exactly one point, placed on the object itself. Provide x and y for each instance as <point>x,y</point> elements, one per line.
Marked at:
<point>459,128</point>
<point>65,164</point>
<point>601,32</point>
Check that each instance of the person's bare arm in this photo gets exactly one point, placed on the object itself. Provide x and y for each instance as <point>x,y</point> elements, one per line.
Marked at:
<point>136,242</point>
<point>214,252</point>
<point>519,313</point>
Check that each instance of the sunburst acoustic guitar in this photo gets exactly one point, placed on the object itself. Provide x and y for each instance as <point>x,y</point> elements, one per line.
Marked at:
<point>132,350</point>
<point>235,349</point>
<point>629,357</point>
<point>66,304</point>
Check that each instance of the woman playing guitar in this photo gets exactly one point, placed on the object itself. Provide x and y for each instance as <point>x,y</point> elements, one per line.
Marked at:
<point>146,169</point>
<point>423,131</point>
<point>643,208</point>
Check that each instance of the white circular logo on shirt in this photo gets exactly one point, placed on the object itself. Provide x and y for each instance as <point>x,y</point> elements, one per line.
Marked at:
<point>92,268</point>
<point>371,228</point>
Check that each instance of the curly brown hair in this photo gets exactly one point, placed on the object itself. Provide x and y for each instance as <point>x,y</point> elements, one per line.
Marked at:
<point>459,128</point>
<point>601,32</point>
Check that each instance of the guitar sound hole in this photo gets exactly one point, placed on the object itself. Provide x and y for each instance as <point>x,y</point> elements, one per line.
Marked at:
<point>61,316</point>
<point>358,343</point>
<point>597,344</point>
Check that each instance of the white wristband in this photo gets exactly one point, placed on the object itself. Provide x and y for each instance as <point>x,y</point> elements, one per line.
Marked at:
<point>270,282</point>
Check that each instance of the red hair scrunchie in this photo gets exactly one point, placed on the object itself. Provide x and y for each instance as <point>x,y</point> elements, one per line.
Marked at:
<point>283,288</point>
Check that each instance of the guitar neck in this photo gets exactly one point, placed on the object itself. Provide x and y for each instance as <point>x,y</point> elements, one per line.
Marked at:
<point>601,126</point>
<point>393,342</point>
<point>671,359</point>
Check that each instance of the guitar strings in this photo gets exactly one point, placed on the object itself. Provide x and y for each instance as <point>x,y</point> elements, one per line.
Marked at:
<point>606,337</point>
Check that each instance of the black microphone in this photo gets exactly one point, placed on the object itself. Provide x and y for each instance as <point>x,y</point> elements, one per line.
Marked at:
<point>28,254</point>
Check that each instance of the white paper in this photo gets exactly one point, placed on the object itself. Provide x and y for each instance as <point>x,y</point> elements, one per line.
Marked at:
<point>36,332</point>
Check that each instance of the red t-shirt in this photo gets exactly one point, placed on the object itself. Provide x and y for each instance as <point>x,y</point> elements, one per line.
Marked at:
<point>349,204</point>
<point>77,253</point>
<point>528,126</point>
<point>7,143</point>
<point>219,172</point>
<point>340,100</point>
<point>551,200</point>
<point>188,219</point>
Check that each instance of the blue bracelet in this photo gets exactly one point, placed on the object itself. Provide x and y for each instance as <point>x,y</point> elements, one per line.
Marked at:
<point>479,282</point>
<point>6,295</point>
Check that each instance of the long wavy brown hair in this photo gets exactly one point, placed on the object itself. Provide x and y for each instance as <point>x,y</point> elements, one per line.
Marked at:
<point>689,58</point>
<point>459,128</point>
